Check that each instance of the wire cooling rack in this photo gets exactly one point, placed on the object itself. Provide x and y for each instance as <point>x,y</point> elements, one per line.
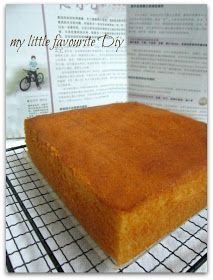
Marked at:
<point>43,236</point>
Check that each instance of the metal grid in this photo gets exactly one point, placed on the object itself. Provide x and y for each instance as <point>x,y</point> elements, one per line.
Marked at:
<point>43,236</point>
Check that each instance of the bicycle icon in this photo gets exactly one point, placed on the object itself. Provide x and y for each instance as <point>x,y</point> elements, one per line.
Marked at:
<point>25,83</point>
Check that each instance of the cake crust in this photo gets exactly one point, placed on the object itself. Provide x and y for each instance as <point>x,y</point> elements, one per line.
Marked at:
<point>120,161</point>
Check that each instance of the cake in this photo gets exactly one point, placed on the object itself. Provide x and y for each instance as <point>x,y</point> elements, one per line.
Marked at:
<point>129,173</point>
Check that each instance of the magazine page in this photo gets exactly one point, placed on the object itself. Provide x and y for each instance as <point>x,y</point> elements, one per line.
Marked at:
<point>23,98</point>
<point>62,57</point>
<point>167,57</point>
<point>80,52</point>
<point>88,57</point>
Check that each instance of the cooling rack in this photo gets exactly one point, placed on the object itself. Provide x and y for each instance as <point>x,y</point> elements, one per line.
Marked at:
<point>43,236</point>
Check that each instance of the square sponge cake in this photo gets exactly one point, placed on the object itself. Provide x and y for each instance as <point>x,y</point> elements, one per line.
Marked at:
<point>130,173</point>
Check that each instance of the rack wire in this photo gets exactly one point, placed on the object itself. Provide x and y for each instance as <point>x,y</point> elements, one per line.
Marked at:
<point>43,236</point>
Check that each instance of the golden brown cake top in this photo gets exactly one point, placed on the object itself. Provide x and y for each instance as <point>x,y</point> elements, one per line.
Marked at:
<point>126,152</point>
